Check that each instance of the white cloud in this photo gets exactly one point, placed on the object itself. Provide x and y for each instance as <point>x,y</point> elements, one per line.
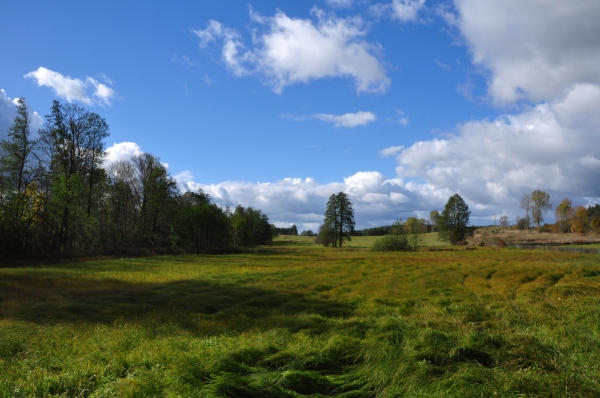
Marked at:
<point>403,10</point>
<point>443,65</point>
<point>122,151</point>
<point>359,118</point>
<point>406,10</point>
<point>73,89</point>
<point>8,111</point>
<point>391,151</point>
<point>534,50</point>
<point>294,51</point>
<point>340,3</point>
<point>376,200</point>
<point>554,146</point>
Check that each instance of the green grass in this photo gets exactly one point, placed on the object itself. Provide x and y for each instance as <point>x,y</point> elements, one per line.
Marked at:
<point>298,320</point>
<point>429,240</point>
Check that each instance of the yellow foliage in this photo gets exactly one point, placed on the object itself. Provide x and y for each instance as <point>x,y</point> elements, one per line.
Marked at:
<point>580,222</point>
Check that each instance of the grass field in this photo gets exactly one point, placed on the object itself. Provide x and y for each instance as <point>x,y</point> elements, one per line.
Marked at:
<point>297,320</point>
<point>429,240</point>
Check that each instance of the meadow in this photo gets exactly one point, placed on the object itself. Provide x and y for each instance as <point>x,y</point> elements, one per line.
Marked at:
<point>297,320</point>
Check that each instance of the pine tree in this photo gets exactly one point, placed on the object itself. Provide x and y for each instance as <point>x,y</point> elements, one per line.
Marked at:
<point>340,216</point>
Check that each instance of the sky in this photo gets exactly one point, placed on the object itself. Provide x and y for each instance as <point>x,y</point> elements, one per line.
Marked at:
<point>280,104</point>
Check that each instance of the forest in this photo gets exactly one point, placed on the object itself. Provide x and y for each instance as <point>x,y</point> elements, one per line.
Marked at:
<point>58,197</point>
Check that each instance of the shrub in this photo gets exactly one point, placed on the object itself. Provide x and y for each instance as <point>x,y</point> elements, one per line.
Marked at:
<point>392,243</point>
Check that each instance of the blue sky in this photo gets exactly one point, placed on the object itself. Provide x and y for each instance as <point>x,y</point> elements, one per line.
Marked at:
<point>276,105</point>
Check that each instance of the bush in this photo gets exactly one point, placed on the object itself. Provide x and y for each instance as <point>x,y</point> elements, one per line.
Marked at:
<point>392,243</point>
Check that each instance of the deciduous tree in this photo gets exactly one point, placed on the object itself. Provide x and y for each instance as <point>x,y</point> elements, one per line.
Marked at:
<point>526,205</point>
<point>540,205</point>
<point>563,214</point>
<point>415,227</point>
<point>434,217</point>
<point>581,223</point>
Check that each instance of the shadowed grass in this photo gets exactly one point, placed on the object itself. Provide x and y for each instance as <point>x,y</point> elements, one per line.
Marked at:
<point>297,320</point>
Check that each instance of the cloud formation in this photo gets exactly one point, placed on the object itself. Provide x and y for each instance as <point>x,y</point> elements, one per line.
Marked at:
<point>359,118</point>
<point>293,50</point>
<point>124,151</point>
<point>8,111</point>
<point>376,199</point>
<point>534,50</point>
<point>402,10</point>
<point>73,89</point>
<point>554,146</point>
<point>340,3</point>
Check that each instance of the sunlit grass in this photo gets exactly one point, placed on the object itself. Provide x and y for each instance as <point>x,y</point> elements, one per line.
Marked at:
<point>295,319</point>
<point>428,240</point>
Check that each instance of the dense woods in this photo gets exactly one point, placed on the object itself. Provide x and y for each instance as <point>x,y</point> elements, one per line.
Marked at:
<point>58,197</point>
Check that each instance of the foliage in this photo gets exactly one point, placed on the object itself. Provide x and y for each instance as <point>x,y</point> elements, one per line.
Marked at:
<point>563,214</point>
<point>375,231</point>
<point>415,228</point>
<point>17,173</point>
<point>454,221</point>
<point>522,224</point>
<point>340,217</point>
<point>200,226</point>
<point>581,223</point>
<point>326,235</point>
<point>59,198</point>
<point>250,227</point>
<point>397,240</point>
<point>540,205</point>
<point>293,230</point>
<point>434,218</point>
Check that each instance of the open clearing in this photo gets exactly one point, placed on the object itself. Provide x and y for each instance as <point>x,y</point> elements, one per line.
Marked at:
<point>297,320</point>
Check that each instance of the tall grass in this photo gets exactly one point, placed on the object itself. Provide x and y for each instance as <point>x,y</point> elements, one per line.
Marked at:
<point>296,320</point>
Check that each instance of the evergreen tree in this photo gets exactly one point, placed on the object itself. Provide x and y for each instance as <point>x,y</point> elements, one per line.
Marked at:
<point>454,221</point>
<point>340,217</point>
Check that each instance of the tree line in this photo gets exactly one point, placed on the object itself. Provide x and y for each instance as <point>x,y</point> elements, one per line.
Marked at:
<point>58,197</point>
<point>568,218</point>
<point>452,225</point>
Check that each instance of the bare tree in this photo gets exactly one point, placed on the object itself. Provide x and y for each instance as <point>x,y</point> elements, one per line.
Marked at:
<point>526,205</point>
<point>504,221</point>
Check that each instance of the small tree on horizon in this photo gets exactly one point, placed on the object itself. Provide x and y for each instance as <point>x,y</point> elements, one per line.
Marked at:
<point>415,227</point>
<point>540,205</point>
<point>454,221</point>
<point>340,216</point>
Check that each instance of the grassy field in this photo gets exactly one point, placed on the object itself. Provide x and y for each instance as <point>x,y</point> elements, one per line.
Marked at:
<point>297,320</point>
<point>429,240</point>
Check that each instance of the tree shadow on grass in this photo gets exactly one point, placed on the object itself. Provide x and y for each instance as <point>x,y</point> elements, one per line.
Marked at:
<point>188,303</point>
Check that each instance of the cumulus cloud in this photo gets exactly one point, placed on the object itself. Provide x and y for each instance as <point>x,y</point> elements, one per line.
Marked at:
<point>293,50</point>
<point>8,111</point>
<point>359,118</point>
<point>124,151</point>
<point>376,199</point>
<point>554,146</point>
<point>534,50</point>
<point>402,10</point>
<point>73,89</point>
